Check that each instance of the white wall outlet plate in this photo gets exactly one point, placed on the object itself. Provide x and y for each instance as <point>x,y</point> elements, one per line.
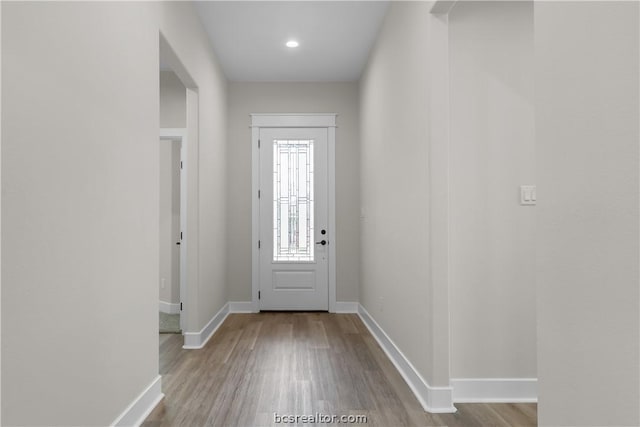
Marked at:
<point>528,195</point>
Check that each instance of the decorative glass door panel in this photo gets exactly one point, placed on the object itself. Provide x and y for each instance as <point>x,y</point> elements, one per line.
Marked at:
<point>293,207</point>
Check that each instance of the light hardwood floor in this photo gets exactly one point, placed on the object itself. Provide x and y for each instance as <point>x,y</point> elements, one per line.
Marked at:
<point>299,363</point>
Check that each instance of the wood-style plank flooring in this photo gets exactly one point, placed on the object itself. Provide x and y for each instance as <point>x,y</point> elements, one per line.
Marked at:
<point>299,363</point>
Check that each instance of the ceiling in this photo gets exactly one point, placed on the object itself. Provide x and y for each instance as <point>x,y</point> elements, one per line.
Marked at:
<point>249,38</point>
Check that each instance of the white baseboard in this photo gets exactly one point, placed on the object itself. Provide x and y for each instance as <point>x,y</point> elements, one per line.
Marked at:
<point>346,307</point>
<point>504,390</point>
<point>240,307</point>
<point>142,405</point>
<point>169,308</point>
<point>432,399</point>
<point>196,340</point>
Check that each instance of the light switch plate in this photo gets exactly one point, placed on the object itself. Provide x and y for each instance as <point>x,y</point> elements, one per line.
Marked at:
<point>528,195</point>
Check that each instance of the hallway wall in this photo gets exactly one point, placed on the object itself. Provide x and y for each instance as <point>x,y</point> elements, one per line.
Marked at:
<point>80,203</point>
<point>492,149</point>
<point>587,110</point>
<point>79,210</point>
<point>0,211</point>
<point>395,285</point>
<point>247,98</point>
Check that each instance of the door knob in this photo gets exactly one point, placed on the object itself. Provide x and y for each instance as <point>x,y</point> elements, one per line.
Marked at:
<point>321,242</point>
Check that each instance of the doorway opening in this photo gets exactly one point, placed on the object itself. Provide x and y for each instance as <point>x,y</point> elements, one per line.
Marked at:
<point>178,231</point>
<point>293,164</point>
<point>172,230</point>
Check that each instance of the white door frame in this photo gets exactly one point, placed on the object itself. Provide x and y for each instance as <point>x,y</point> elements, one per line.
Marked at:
<point>180,135</point>
<point>258,121</point>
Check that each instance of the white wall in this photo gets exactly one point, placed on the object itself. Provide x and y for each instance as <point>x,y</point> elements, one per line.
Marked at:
<point>79,210</point>
<point>587,113</point>
<point>0,211</point>
<point>492,237</point>
<point>80,199</point>
<point>247,98</point>
<point>173,101</point>
<point>395,287</point>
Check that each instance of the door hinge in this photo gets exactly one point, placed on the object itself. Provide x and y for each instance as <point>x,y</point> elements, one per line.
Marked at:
<point>258,143</point>
<point>258,194</point>
<point>180,164</point>
<point>181,235</point>
<point>258,294</point>
<point>258,244</point>
<point>181,306</point>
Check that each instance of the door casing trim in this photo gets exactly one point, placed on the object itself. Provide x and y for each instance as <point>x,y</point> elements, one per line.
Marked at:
<point>293,120</point>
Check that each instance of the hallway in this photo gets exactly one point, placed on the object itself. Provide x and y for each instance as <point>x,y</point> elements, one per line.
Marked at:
<point>256,365</point>
<point>484,224</point>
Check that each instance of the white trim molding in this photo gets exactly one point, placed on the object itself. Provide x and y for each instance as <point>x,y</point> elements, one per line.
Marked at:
<point>197,340</point>
<point>174,134</point>
<point>240,307</point>
<point>142,405</point>
<point>169,307</point>
<point>331,209</point>
<point>497,390</point>
<point>432,399</point>
<point>255,219</point>
<point>294,120</point>
<point>346,307</point>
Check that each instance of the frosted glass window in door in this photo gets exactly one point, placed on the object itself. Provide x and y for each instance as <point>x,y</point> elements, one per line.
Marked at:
<point>293,200</point>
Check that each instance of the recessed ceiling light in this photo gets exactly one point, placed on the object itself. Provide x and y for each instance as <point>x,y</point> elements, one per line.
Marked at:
<point>292,43</point>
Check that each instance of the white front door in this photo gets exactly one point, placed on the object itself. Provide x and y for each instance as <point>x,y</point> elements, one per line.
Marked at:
<point>293,219</point>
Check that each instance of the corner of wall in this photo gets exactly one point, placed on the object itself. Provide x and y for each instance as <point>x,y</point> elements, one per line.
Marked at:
<point>433,399</point>
<point>0,214</point>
